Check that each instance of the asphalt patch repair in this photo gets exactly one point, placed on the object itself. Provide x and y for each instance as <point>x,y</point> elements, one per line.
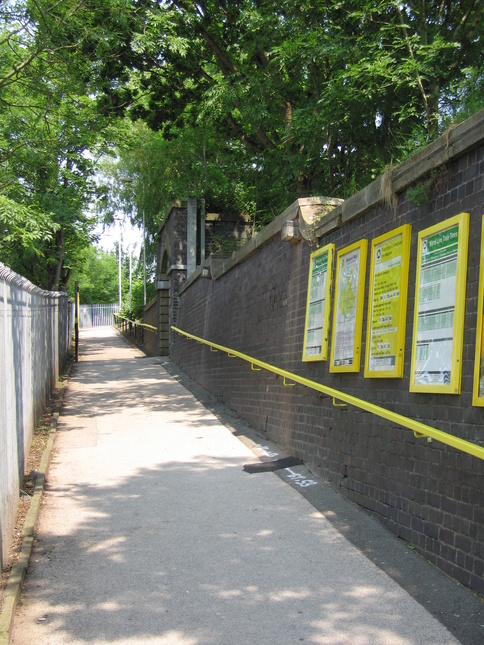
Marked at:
<point>271,466</point>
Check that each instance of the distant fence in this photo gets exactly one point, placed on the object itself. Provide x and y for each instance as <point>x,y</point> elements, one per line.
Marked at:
<point>35,336</point>
<point>96,315</point>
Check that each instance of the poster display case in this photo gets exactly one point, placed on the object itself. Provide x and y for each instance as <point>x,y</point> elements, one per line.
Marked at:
<point>478,390</point>
<point>387,304</point>
<point>316,328</point>
<point>348,308</point>
<point>438,325</point>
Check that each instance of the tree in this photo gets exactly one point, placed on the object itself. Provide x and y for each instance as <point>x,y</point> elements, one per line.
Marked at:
<point>23,232</point>
<point>247,103</point>
<point>51,131</point>
<point>137,296</point>
<point>253,104</point>
<point>151,171</point>
<point>97,277</point>
<point>323,95</point>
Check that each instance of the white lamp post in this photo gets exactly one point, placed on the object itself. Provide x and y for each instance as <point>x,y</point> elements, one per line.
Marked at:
<point>131,181</point>
<point>119,265</point>
<point>130,309</point>
<point>144,259</point>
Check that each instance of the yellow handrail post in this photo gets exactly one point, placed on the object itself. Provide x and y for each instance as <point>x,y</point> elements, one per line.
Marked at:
<point>338,405</point>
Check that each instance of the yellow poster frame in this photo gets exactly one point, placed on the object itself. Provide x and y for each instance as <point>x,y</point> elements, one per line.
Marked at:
<point>477,399</point>
<point>362,245</point>
<point>405,233</point>
<point>323,355</point>
<point>454,384</point>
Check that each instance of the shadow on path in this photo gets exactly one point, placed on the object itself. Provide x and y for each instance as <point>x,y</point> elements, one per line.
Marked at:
<point>153,533</point>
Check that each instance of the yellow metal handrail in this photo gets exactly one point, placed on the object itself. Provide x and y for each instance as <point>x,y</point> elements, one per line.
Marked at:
<point>419,429</point>
<point>133,322</point>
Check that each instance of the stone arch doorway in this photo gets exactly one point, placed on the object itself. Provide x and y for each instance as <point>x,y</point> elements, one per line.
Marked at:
<point>163,288</point>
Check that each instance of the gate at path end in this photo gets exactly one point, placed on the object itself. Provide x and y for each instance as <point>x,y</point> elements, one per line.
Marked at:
<point>97,315</point>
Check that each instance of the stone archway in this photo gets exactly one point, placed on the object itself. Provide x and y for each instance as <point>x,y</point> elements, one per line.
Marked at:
<point>163,288</point>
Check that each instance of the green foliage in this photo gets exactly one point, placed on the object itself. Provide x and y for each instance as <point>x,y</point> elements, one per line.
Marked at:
<point>152,171</point>
<point>137,293</point>
<point>50,133</point>
<point>466,95</point>
<point>320,96</point>
<point>246,104</point>
<point>24,233</point>
<point>97,276</point>
<point>420,194</point>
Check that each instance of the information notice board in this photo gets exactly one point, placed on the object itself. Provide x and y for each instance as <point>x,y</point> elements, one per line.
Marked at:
<point>348,308</point>
<point>438,326</point>
<point>387,304</point>
<point>478,391</point>
<point>318,304</point>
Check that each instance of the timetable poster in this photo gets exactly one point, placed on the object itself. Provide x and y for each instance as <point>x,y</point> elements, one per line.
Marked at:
<point>345,348</point>
<point>439,282</point>
<point>478,390</point>
<point>388,304</point>
<point>318,304</point>
<point>480,394</point>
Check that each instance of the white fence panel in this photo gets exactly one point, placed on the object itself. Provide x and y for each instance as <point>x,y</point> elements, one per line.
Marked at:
<point>35,337</point>
<point>97,315</point>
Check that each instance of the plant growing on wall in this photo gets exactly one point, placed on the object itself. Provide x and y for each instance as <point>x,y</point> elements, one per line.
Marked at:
<point>421,193</point>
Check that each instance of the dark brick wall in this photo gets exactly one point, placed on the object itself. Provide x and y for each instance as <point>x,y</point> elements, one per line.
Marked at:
<point>426,493</point>
<point>171,262</point>
<point>150,337</point>
<point>224,234</point>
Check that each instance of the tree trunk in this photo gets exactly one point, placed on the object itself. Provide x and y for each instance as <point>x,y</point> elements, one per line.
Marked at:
<point>60,259</point>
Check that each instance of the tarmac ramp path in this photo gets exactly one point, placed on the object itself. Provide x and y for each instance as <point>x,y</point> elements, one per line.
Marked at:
<point>152,532</point>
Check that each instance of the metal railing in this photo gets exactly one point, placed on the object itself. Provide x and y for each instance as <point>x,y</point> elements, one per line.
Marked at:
<point>420,430</point>
<point>133,328</point>
<point>96,315</point>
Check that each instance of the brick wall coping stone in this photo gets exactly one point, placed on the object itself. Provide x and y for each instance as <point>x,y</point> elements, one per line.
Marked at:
<point>151,304</point>
<point>227,217</point>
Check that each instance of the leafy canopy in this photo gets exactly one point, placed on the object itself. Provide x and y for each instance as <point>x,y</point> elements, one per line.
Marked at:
<point>245,103</point>
<point>51,132</point>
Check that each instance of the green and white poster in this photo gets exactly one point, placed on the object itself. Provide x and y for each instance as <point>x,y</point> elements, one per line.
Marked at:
<point>439,297</point>
<point>318,304</point>
<point>478,389</point>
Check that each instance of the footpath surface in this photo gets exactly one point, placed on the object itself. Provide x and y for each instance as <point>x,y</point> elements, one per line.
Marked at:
<point>152,532</point>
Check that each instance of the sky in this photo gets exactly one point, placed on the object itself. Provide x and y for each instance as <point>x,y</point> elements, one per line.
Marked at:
<point>131,236</point>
